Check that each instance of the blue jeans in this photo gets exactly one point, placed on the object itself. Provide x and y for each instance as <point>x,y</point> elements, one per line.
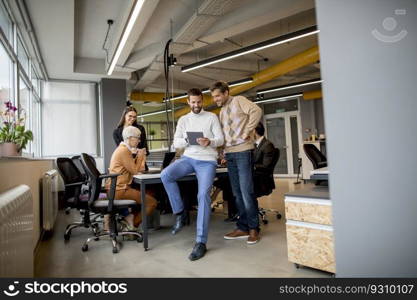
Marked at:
<point>205,172</point>
<point>240,167</point>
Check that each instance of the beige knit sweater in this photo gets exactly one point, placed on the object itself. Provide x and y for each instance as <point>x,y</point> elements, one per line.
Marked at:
<point>238,118</point>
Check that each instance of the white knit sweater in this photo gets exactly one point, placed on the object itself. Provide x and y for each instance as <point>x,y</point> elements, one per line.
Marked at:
<point>206,122</point>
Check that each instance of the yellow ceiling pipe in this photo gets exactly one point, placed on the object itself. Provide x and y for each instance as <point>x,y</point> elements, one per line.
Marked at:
<point>312,95</point>
<point>141,96</point>
<point>295,62</point>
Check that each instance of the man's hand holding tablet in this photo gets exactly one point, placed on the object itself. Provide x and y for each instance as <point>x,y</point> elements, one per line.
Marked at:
<point>197,138</point>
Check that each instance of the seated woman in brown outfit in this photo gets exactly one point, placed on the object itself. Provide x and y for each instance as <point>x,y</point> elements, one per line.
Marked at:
<point>128,160</point>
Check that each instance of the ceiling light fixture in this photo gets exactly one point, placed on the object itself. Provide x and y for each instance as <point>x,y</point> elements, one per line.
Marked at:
<point>253,48</point>
<point>125,35</point>
<point>154,113</point>
<point>279,99</point>
<point>207,90</point>
<point>290,86</point>
<point>240,82</point>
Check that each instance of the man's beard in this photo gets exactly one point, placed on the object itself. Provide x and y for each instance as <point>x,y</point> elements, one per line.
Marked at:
<point>197,110</point>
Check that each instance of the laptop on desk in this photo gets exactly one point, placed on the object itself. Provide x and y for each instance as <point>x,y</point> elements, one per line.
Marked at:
<point>168,157</point>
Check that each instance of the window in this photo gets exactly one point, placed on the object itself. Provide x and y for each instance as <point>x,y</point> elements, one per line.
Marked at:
<point>22,56</point>
<point>24,105</point>
<point>5,23</point>
<point>276,107</point>
<point>26,98</point>
<point>6,77</point>
<point>35,126</point>
<point>69,122</point>
<point>35,81</point>
<point>24,101</point>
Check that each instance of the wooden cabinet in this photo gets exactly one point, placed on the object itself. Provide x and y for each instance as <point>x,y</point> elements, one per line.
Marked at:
<point>309,228</point>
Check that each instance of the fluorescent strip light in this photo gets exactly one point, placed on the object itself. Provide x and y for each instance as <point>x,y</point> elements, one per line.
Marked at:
<point>279,99</point>
<point>257,47</point>
<point>207,90</point>
<point>240,82</point>
<point>179,97</point>
<point>126,32</point>
<point>154,113</point>
<point>289,86</point>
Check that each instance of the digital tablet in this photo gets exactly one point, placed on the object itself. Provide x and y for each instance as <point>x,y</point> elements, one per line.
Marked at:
<point>193,136</point>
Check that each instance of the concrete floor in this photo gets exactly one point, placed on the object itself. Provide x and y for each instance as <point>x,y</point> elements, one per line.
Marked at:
<point>168,254</point>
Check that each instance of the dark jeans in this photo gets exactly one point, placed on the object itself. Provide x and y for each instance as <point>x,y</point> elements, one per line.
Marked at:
<point>240,167</point>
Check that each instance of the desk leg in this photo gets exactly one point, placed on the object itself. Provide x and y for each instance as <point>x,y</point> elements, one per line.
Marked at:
<point>144,217</point>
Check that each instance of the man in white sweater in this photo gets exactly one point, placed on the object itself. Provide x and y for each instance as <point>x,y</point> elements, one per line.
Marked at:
<point>200,159</point>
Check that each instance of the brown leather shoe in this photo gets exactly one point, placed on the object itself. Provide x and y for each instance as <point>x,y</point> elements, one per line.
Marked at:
<point>254,237</point>
<point>237,234</point>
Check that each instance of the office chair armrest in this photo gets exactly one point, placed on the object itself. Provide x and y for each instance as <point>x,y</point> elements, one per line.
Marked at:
<point>322,164</point>
<point>74,184</point>
<point>113,175</point>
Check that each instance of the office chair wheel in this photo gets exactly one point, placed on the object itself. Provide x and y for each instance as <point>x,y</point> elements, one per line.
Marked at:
<point>265,222</point>
<point>297,266</point>
<point>279,216</point>
<point>95,228</point>
<point>67,236</point>
<point>139,239</point>
<point>84,248</point>
<point>115,250</point>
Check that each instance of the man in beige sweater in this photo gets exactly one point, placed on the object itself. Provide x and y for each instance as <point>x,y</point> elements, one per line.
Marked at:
<point>238,118</point>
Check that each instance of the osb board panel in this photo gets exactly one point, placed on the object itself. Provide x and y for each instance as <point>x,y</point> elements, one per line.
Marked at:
<point>308,212</point>
<point>311,247</point>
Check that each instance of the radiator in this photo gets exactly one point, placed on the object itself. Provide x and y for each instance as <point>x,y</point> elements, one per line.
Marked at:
<point>49,199</point>
<point>16,232</point>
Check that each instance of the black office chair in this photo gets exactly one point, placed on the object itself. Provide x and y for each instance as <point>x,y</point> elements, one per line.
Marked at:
<point>109,206</point>
<point>74,182</point>
<point>86,189</point>
<point>262,211</point>
<point>315,156</point>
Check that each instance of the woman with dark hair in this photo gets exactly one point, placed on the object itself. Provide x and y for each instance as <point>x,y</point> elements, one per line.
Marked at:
<point>129,118</point>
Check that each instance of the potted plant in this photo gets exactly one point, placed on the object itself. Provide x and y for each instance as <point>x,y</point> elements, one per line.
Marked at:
<point>151,134</point>
<point>13,135</point>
